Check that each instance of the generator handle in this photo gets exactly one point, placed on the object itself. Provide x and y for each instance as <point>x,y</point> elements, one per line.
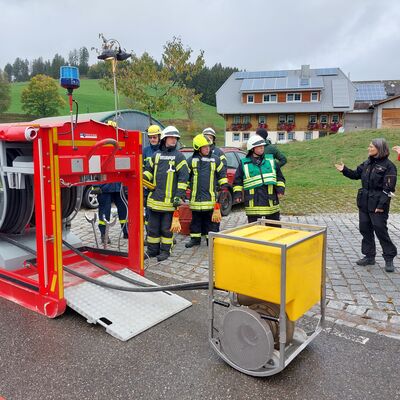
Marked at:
<point>101,143</point>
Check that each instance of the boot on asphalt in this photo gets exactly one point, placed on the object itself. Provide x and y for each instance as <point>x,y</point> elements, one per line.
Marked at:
<point>366,261</point>
<point>163,256</point>
<point>389,267</point>
<point>193,242</point>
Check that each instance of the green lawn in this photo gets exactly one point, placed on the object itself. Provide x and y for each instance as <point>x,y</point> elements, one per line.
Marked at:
<point>92,98</point>
<point>312,183</point>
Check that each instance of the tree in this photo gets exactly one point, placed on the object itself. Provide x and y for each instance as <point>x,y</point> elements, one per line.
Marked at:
<point>100,70</point>
<point>5,92</point>
<point>8,69</point>
<point>38,67</point>
<point>190,101</point>
<point>41,97</point>
<point>21,70</point>
<point>58,61</point>
<point>73,58</point>
<point>83,61</point>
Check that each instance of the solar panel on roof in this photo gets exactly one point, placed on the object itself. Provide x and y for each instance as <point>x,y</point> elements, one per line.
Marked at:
<point>261,74</point>
<point>370,91</point>
<point>340,93</point>
<point>326,71</point>
<point>304,82</point>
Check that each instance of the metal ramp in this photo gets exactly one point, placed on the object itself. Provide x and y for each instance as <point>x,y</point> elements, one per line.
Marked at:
<point>123,314</point>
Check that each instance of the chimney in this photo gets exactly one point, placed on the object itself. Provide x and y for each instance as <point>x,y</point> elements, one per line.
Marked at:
<point>305,71</point>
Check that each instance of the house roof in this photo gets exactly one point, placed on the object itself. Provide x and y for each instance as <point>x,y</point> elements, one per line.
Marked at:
<point>337,91</point>
<point>389,99</point>
<point>375,91</point>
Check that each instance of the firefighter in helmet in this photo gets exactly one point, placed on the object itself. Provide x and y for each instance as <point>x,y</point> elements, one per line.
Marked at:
<point>261,180</point>
<point>209,133</point>
<point>207,172</point>
<point>167,171</point>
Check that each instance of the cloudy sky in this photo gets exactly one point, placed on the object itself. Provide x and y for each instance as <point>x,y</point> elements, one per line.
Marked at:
<point>360,36</point>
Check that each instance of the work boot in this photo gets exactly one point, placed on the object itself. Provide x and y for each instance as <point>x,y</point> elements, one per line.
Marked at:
<point>151,254</point>
<point>389,267</point>
<point>366,261</point>
<point>193,242</point>
<point>163,256</point>
<point>103,239</point>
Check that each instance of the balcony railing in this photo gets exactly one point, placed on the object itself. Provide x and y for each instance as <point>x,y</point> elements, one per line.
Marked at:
<point>241,127</point>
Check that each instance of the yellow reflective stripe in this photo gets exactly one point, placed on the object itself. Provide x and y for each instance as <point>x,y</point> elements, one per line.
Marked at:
<point>195,179</point>
<point>168,186</point>
<point>150,161</point>
<point>223,181</point>
<point>195,235</point>
<point>212,178</point>
<point>101,222</point>
<point>202,205</point>
<point>281,184</point>
<point>261,210</point>
<point>182,185</point>
<point>159,205</point>
<point>122,221</point>
<point>157,159</point>
<point>180,165</point>
<point>251,202</point>
<point>148,185</point>
<point>246,171</point>
<point>220,166</point>
<point>165,240</point>
<point>237,188</point>
<point>148,175</point>
<point>153,239</point>
<point>270,192</point>
<point>222,157</point>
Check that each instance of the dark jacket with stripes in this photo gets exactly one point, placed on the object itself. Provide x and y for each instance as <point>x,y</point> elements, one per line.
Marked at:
<point>261,200</point>
<point>206,174</point>
<point>168,171</point>
<point>219,153</point>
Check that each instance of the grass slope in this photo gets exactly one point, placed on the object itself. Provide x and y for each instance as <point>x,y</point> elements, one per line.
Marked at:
<point>92,98</point>
<point>312,183</point>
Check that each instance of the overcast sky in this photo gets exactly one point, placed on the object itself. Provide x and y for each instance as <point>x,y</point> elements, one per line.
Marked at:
<point>360,36</point>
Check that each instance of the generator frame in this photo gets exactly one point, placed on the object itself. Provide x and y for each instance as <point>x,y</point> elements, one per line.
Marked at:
<point>287,352</point>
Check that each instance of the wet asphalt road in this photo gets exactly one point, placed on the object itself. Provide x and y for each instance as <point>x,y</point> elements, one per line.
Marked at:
<point>67,358</point>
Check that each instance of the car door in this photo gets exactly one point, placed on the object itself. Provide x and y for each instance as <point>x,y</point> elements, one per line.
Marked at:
<point>232,164</point>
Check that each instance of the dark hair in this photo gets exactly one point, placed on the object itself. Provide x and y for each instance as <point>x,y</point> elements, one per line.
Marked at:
<point>382,147</point>
<point>262,132</point>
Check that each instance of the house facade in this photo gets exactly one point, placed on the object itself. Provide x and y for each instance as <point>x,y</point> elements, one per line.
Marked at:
<point>292,105</point>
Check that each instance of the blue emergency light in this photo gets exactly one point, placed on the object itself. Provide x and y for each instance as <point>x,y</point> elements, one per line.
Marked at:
<point>69,78</point>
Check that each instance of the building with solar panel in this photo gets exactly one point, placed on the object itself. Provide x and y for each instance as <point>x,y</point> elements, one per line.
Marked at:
<point>377,105</point>
<point>298,104</point>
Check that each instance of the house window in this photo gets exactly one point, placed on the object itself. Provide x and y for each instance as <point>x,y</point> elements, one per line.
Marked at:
<point>236,119</point>
<point>293,97</point>
<point>246,136</point>
<point>262,119</point>
<point>282,119</point>
<point>281,136</point>
<point>323,119</point>
<point>314,96</point>
<point>335,119</point>
<point>236,137</point>
<point>322,133</point>
<point>250,98</point>
<point>308,135</point>
<point>246,119</point>
<point>313,119</point>
<point>291,135</point>
<point>269,98</point>
<point>290,119</point>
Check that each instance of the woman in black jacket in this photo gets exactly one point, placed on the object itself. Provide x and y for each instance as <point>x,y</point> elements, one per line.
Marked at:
<point>378,177</point>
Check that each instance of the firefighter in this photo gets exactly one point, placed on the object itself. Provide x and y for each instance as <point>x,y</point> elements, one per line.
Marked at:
<point>261,179</point>
<point>167,171</point>
<point>153,133</point>
<point>106,195</point>
<point>207,171</point>
<point>209,133</point>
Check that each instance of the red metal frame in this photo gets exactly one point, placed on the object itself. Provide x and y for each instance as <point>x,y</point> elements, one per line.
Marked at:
<point>61,162</point>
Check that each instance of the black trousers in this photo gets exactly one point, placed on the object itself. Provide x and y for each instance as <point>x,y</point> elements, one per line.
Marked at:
<point>105,200</point>
<point>371,223</point>
<point>201,224</point>
<point>275,217</point>
<point>159,236</point>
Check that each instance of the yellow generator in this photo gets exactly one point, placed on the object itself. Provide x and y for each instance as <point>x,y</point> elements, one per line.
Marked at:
<point>274,272</point>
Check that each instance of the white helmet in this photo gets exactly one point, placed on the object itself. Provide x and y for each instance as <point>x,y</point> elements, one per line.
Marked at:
<point>209,131</point>
<point>255,141</point>
<point>170,131</point>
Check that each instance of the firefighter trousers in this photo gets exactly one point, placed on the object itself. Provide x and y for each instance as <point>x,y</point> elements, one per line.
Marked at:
<point>159,236</point>
<point>105,200</point>
<point>371,223</point>
<point>202,224</point>
<point>275,217</point>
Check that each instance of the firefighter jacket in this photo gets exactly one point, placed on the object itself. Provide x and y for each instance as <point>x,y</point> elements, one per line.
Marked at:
<point>378,179</point>
<point>148,151</point>
<point>206,174</point>
<point>261,179</point>
<point>219,153</point>
<point>168,171</point>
